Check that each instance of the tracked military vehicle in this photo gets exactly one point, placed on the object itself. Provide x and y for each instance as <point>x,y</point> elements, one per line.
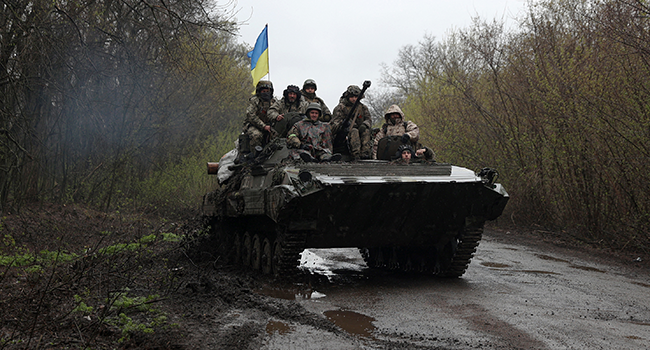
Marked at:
<point>423,217</point>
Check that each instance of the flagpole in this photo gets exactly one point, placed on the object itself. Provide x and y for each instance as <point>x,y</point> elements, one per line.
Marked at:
<point>269,51</point>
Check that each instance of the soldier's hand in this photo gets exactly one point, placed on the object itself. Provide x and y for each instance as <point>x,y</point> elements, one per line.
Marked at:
<point>280,117</point>
<point>406,138</point>
<point>267,128</point>
<point>420,152</point>
<point>362,128</point>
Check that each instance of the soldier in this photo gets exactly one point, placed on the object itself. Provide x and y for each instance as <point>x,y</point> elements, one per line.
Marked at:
<point>257,123</point>
<point>289,110</point>
<point>311,138</point>
<point>309,93</point>
<point>404,154</point>
<point>357,128</point>
<point>424,153</point>
<point>396,126</point>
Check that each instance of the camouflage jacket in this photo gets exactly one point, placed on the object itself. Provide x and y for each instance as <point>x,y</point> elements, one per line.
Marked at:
<point>400,128</point>
<point>326,115</point>
<point>257,112</point>
<point>428,154</point>
<point>281,107</point>
<point>317,134</point>
<point>342,110</point>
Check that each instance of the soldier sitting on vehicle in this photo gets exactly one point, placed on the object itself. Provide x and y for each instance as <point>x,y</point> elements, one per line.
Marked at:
<point>395,126</point>
<point>257,123</point>
<point>404,154</point>
<point>311,138</point>
<point>357,129</point>
<point>424,154</point>
<point>289,110</point>
<point>309,93</point>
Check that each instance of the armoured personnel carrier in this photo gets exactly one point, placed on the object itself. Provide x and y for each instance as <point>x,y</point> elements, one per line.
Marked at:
<point>421,217</point>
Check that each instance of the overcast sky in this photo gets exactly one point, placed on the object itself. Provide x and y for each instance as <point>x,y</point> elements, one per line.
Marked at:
<point>343,42</point>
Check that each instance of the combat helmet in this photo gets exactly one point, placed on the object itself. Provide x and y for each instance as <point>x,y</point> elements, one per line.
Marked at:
<point>353,90</point>
<point>264,84</point>
<point>309,82</point>
<point>292,88</point>
<point>315,106</point>
<point>405,147</point>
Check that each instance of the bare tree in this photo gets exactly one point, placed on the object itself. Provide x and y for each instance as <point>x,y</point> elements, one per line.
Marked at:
<point>96,93</point>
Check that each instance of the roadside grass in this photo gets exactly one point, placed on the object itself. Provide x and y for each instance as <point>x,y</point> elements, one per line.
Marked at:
<point>71,277</point>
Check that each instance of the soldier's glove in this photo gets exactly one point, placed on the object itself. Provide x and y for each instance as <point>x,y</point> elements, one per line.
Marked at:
<point>362,128</point>
<point>406,138</point>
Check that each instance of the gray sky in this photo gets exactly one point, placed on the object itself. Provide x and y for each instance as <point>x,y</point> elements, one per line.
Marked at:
<point>339,43</point>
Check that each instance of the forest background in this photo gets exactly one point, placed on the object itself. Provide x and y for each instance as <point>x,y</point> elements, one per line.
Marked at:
<point>118,105</point>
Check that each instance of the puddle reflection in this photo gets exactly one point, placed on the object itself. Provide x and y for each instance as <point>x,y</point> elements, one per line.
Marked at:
<point>352,322</point>
<point>278,327</point>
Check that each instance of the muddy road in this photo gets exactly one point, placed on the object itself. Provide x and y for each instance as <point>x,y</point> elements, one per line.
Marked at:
<point>513,296</point>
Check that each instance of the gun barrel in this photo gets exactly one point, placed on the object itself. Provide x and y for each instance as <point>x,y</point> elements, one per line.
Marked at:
<point>213,167</point>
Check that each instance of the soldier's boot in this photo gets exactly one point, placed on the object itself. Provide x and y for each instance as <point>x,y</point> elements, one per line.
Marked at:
<point>306,157</point>
<point>326,157</point>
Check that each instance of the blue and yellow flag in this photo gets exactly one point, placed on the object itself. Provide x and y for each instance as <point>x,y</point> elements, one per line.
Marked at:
<point>260,56</point>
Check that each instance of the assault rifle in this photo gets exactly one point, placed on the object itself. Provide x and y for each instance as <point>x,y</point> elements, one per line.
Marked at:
<point>341,136</point>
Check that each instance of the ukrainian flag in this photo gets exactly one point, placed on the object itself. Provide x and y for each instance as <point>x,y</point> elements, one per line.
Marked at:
<point>260,56</point>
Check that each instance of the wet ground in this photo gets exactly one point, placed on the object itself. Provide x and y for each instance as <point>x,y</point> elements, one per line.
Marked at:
<point>513,296</point>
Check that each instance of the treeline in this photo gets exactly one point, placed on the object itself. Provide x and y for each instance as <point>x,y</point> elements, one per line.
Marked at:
<point>116,102</point>
<point>560,106</point>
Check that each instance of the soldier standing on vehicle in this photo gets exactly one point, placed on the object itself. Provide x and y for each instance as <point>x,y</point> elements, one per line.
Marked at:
<point>289,110</point>
<point>396,126</point>
<point>257,124</point>
<point>358,127</point>
<point>311,138</point>
<point>309,93</point>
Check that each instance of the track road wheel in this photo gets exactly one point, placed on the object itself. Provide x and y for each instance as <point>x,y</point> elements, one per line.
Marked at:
<point>256,253</point>
<point>247,249</point>
<point>267,257</point>
<point>276,261</point>
<point>286,253</point>
<point>237,249</point>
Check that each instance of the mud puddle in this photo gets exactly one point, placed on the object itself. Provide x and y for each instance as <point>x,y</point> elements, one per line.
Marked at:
<point>352,322</point>
<point>278,327</point>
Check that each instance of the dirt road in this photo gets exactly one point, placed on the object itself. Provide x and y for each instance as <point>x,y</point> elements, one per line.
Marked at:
<point>512,296</point>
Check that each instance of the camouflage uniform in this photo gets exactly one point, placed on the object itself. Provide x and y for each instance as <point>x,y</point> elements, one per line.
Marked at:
<point>396,127</point>
<point>289,110</point>
<point>326,115</point>
<point>256,119</point>
<point>427,156</point>
<point>315,136</point>
<point>359,139</point>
